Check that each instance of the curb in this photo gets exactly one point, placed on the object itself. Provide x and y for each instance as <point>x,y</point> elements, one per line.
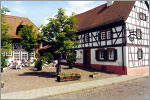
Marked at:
<point>57,90</point>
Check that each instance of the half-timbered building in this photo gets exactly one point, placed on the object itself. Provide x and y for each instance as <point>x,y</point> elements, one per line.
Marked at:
<point>15,23</point>
<point>114,37</point>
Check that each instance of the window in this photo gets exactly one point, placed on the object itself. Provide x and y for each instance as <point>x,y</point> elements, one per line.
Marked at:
<point>140,54</point>
<point>111,54</point>
<point>32,55</point>
<point>9,53</point>
<point>108,34</point>
<point>101,55</point>
<point>24,55</point>
<point>102,35</point>
<point>106,55</point>
<point>142,16</point>
<point>138,34</point>
<point>86,37</point>
<point>16,55</point>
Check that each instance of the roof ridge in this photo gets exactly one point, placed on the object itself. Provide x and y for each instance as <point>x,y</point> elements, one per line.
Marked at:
<point>91,9</point>
<point>16,16</point>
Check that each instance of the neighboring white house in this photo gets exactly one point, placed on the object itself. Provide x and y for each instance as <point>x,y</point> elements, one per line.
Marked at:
<point>16,23</point>
<point>114,37</point>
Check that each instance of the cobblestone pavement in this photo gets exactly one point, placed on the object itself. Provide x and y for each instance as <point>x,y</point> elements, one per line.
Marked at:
<point>26,79</point>
<point>134,89</point>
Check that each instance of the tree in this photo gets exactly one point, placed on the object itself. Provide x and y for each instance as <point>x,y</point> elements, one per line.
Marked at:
<point>5,38</point>
<point>60,33</point>
<point>29,39</point>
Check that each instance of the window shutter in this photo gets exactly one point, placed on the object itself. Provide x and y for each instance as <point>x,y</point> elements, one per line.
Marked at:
<point>115,54</point>
<point>97,55</point>
<point>105,55</point>
<point>141,54</point>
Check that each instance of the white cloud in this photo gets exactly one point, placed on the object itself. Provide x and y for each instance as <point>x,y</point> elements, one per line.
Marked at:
<point>20,10</point>
<point>45,20</point>
<point>79,6</point>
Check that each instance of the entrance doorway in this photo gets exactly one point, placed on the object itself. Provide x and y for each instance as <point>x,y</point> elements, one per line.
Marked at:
<point>87,57</point>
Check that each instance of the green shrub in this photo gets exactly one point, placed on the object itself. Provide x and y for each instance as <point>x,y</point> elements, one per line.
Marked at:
<point>48,57</point>
<point>38,62</point>
<point>3,61</point>
<point>41,60</point>
<point>71,58</point>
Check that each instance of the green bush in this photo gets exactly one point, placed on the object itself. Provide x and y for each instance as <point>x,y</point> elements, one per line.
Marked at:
<point>3,61</point>
<point>71,58</point>
<point>38,62</point>
<point>48,57</point>
<point>41,60</point>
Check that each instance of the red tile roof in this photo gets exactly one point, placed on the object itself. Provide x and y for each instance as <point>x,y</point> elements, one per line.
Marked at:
<point>15,21</point>
<point>101,15</point>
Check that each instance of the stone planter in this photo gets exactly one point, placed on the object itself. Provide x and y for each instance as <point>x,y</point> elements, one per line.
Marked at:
<point>2,84</point>
<point>61,78</point>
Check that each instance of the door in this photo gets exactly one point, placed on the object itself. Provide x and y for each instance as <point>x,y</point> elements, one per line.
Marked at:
<point>87,57</point>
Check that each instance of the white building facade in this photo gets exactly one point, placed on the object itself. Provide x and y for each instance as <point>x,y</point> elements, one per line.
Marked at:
<point>120,44</point>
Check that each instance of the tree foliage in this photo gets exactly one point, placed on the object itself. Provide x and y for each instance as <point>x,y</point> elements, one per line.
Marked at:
<point>5,38</point>
<point>29,39</point>
<point>60,31</point>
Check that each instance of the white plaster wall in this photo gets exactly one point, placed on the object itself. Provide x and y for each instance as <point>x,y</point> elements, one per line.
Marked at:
<point>79,56</point>
<point>117,63</point>
<point>144,26</point>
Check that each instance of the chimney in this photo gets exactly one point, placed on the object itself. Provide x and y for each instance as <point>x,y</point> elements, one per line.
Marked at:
<point>109,3</point>
<point>8,13</point>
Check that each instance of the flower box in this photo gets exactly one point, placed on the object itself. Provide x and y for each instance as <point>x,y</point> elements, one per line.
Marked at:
<point>68,77</point>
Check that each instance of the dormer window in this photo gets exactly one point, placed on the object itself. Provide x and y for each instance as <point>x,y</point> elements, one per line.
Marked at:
<point>18,29</point>
<point>138,34</point>
<point>142,16</point>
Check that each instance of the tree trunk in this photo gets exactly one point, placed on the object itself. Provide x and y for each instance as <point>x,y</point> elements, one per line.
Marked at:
<point>58,67</point>
<point>28,59</point>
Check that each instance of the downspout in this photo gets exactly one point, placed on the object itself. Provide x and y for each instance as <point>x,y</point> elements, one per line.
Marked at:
<point>123,35</point>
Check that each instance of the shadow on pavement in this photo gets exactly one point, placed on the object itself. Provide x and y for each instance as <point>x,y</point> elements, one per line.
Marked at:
<point>39,74</point>
<point>89,69</point>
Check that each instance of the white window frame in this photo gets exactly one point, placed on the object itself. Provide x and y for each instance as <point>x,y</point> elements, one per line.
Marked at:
<point>140,54</point>
<point>138,34</point>
<point>111,54</point>
<point>101,54</point>
<point>24,53</point>
<point>15,53</point>
<point>9,53</point>
<point>108,34</point>
<point>103,35</point>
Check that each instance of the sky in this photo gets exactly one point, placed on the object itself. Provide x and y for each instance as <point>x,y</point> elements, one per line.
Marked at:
<point>39,11</point>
